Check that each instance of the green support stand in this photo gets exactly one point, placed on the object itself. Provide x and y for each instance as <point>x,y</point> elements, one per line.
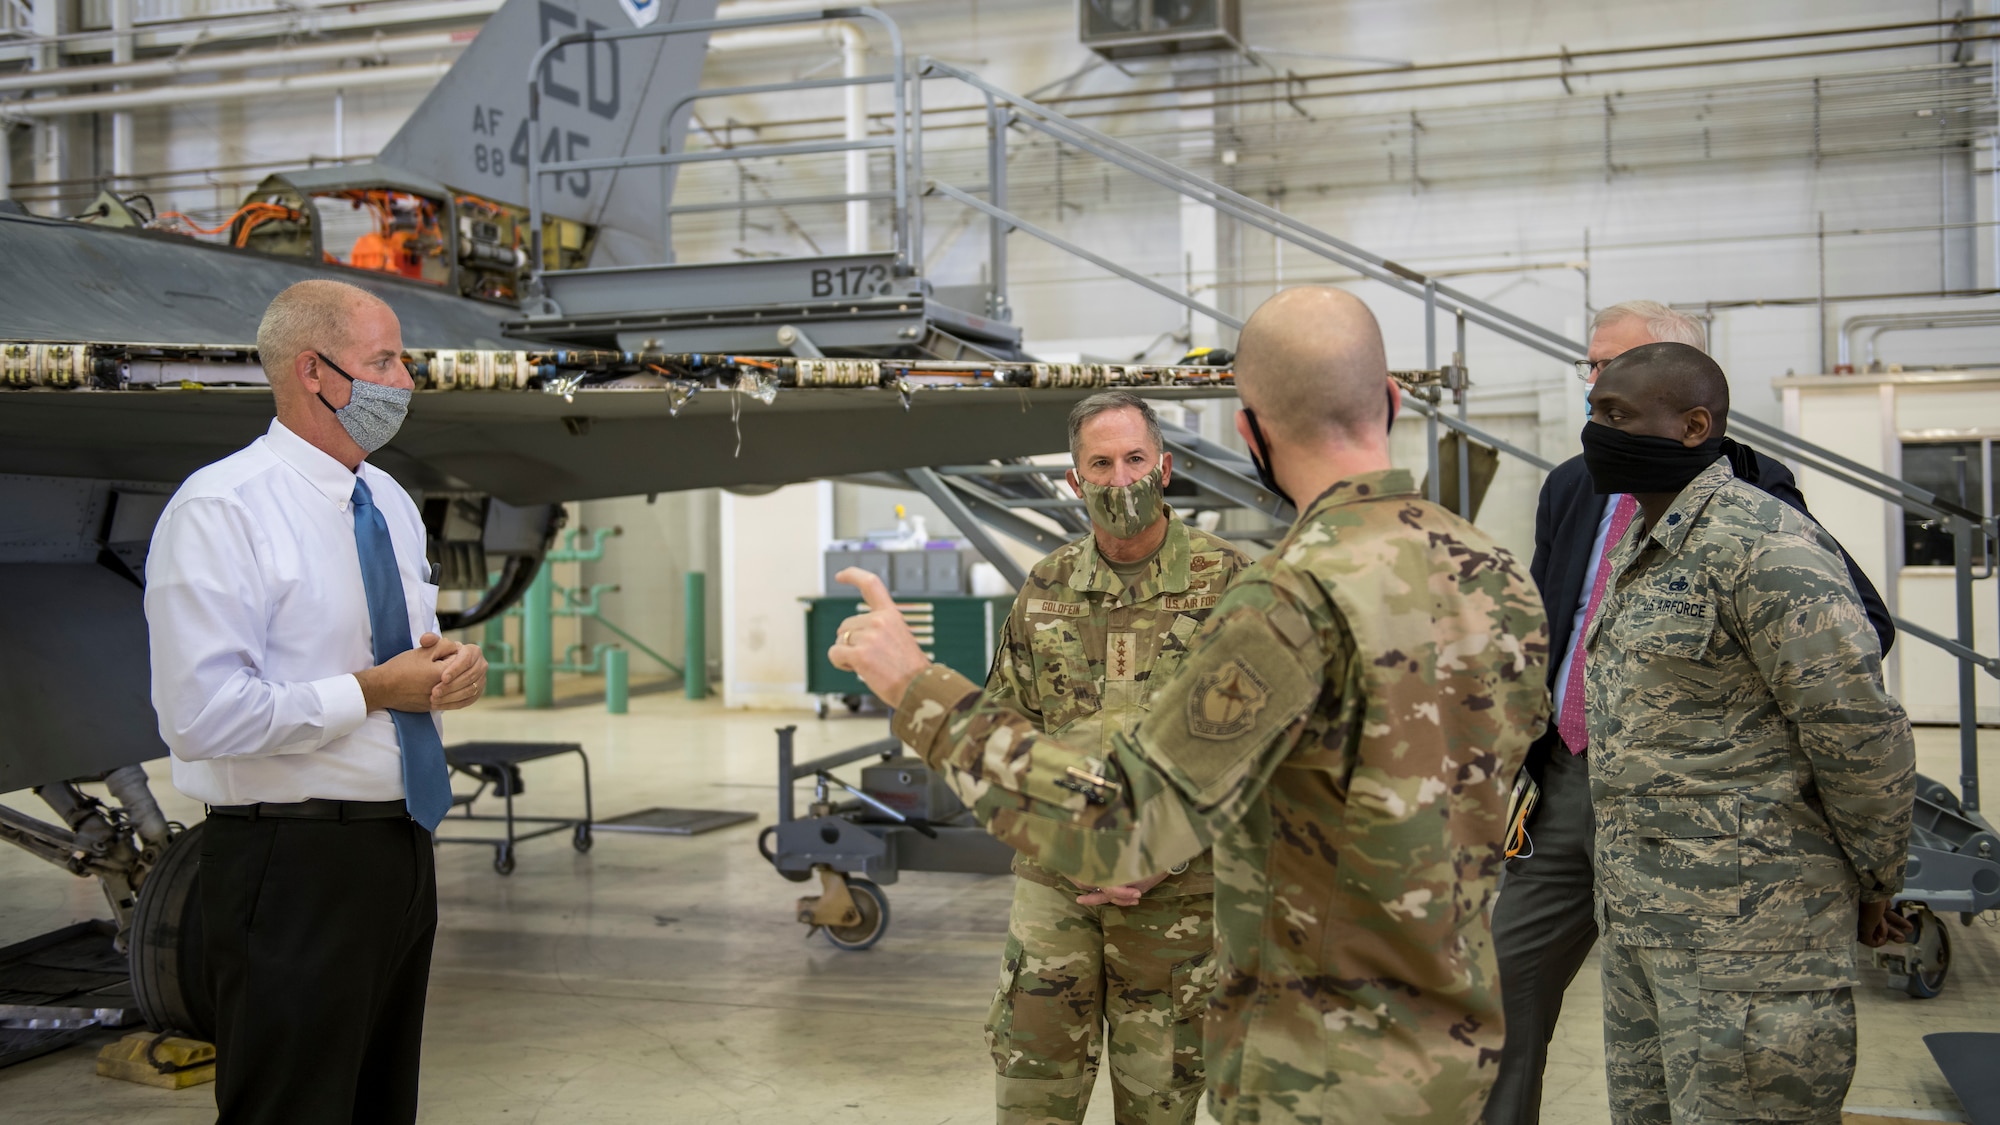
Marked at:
<point>539,607</point>
<point>696,661</point>
<point>615,685</point>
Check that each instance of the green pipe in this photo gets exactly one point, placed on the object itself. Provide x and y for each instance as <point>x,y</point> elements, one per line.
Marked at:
<point>494,641</point>
<point>538,681</point>
<point>637,643</point>
<point>696,676</point>
<point>570,552</point>
<point>615,681</point>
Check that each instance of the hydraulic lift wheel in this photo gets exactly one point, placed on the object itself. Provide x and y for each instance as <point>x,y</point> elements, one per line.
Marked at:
<point>874,908</point>
<point>1929,957</point>
<point>580,840</point>
<point>169,972</point>
<point>503,859</point>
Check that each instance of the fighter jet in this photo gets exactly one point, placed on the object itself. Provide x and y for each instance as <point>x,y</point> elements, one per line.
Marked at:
<point>559,352</point>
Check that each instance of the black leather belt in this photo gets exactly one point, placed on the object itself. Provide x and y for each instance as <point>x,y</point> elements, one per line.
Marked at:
<point>317,809</point>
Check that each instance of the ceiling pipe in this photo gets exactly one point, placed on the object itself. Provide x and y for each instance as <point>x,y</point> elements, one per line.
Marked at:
<point>409,74</point>
<point>208,30</point>
<point>1903,322</point>
<point>848,37</point>
<point>362,17</point>
<point>178,66</point>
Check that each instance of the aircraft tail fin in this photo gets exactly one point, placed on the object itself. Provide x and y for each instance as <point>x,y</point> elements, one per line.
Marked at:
<point>607,99</point>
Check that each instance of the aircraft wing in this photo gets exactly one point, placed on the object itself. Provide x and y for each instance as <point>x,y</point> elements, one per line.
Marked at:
<point>535,447</point>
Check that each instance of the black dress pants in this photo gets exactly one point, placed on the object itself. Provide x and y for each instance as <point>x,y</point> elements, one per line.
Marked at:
<point>1543,929</point>
<point>318,935</point>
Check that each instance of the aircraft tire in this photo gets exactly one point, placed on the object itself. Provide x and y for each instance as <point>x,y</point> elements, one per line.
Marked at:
<point>169,973</point>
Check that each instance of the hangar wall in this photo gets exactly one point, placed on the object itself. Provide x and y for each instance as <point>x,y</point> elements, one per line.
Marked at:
<point>1776,197</point>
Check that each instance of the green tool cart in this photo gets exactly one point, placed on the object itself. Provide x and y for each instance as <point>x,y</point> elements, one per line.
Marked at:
<point>959,631</point>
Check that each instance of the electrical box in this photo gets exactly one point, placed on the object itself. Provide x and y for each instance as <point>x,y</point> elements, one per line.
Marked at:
<point>1133,29</point>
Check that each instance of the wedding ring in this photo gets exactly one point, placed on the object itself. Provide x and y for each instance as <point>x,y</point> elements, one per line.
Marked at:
<point>847,639</point>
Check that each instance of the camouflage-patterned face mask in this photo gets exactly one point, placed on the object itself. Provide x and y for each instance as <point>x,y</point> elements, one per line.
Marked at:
<point>1124,511</point>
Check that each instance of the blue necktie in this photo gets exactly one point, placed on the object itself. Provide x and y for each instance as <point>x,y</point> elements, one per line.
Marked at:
<point>426,779</point>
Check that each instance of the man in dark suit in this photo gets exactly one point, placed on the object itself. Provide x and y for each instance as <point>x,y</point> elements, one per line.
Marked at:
<point>1543,927</point>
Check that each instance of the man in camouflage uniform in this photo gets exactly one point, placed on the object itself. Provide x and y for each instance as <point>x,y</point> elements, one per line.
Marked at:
<point>1752,779</point>
<point>1098,624</point>
<point>1344,732</point>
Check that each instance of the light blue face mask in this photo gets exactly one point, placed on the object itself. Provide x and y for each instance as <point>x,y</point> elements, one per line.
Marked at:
<point>373,412</point>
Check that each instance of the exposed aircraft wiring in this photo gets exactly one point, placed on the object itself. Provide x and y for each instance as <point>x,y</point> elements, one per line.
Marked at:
<point>251,215</point>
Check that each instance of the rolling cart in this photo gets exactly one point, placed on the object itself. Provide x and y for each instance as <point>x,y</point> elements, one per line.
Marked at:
<point>496,766</point>
<point>901,817</point>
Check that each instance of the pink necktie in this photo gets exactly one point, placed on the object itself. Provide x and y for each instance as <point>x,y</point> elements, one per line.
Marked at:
<point>1570,724</point>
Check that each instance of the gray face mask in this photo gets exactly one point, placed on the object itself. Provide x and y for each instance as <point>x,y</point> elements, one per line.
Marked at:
<point>373,412</point>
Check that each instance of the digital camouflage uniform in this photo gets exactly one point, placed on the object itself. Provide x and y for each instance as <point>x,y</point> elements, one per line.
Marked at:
<point>1344,732</point>
<point>1080,656</point>
<point>1752,782</point>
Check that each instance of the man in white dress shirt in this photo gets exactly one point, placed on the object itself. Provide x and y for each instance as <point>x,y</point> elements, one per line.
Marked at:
<point>297,670</point>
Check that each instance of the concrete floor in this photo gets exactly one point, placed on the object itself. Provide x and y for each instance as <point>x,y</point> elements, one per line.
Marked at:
<point>663,979</point>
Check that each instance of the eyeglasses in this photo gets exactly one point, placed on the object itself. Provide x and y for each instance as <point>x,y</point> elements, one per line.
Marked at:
<point>1586,368</point>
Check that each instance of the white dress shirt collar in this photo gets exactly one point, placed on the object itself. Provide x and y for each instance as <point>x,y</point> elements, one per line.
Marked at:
<point>319,467</point>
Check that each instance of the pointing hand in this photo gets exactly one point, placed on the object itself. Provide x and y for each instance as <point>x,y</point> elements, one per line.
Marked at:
<point>877,645</point>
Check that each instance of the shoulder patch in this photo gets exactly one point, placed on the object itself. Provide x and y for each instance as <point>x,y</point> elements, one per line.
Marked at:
<point>1225,701</point>
<point>1058,609</point>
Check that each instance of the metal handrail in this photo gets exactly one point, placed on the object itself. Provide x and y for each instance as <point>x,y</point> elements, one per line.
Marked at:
<point>693,96</point>
<point>779,201</point>
<point>898,78</point>
<point>1266,218</point>
<point>709,155</point>
<point>1018,223</point>
<point>688,99</point>
<point>1005,109</point>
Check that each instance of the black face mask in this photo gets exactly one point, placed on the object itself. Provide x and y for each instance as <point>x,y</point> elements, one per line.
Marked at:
<point>1260,450</point>
<point>1641,463</point>
<point>1260,456</point>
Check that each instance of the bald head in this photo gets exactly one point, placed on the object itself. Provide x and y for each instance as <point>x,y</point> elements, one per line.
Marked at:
<point>1310,363</point>
<point>1671,378</point>
<point>318,339</point>
<point>310,316</point>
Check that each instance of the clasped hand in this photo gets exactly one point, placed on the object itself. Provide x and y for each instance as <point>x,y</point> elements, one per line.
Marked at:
<point>1881,925</point>
<point>1125,896</point>
<point>438,675</point>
